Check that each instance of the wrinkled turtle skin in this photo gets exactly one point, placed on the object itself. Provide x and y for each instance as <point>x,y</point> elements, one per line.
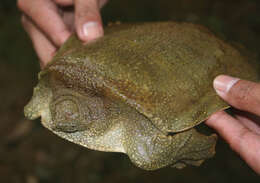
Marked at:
<point>140,90</point>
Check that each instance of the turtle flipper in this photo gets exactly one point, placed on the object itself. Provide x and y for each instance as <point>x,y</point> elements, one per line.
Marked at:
<point>153,151</point>
<point>196,149</point>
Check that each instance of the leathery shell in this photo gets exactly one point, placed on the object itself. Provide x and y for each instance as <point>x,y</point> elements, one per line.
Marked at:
<point>164,70</point>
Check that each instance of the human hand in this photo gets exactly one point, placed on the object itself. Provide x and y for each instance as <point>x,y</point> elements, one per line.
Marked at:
<point>50,22</point>
<point>242,131</point>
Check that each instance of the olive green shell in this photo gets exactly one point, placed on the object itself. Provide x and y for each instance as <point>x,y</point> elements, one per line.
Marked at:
<point>163,70</point>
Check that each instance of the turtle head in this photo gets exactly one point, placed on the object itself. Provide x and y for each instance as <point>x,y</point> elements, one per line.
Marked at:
<point>64,109</point>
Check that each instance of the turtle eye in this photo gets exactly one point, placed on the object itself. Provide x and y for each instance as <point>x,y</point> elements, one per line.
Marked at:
<point>66,114</point>
<point>66,110</point>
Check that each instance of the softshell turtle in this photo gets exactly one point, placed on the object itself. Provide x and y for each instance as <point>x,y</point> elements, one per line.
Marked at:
<point>141,89</point>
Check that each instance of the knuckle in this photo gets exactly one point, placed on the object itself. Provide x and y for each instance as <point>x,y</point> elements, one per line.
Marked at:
<point>80,14</point>
<point>86,11</point>
<point>86,7</point>
<point>242,92</point>
<point>92,15</point>
<point>238,141</point>
<point>83,13</point>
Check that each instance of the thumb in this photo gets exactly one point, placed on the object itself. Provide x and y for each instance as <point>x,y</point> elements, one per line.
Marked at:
<point>241,94</point>
<point>88,20</point>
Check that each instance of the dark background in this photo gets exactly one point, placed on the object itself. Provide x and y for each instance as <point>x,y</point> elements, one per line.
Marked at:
<point>30,153</point>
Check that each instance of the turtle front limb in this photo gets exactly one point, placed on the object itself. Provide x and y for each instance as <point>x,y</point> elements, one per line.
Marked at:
<point>195,149</point>
<point>153,151</point>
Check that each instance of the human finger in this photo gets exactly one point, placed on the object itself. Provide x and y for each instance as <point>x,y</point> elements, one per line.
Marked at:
<point>251,125</point>
<point>241,94</point>
<point>45,15</point>
<point>249,120</point>
<point>68,18</point>
<point>88,21</point>
<point>43,47</point>
<point>240,138</point>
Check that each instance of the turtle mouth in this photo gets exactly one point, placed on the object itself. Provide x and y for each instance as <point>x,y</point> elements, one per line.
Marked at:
<point>69,127</point>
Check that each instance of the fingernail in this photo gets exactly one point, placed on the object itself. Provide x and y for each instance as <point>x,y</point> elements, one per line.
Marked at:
<point>92,30</point>
<point>223,84</point>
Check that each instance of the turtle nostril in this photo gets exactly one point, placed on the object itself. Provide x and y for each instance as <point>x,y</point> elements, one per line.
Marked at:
<point>30,112</point>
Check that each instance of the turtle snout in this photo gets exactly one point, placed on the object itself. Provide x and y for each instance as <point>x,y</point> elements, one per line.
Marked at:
<point>39,102</point>
<point>30,111</point>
